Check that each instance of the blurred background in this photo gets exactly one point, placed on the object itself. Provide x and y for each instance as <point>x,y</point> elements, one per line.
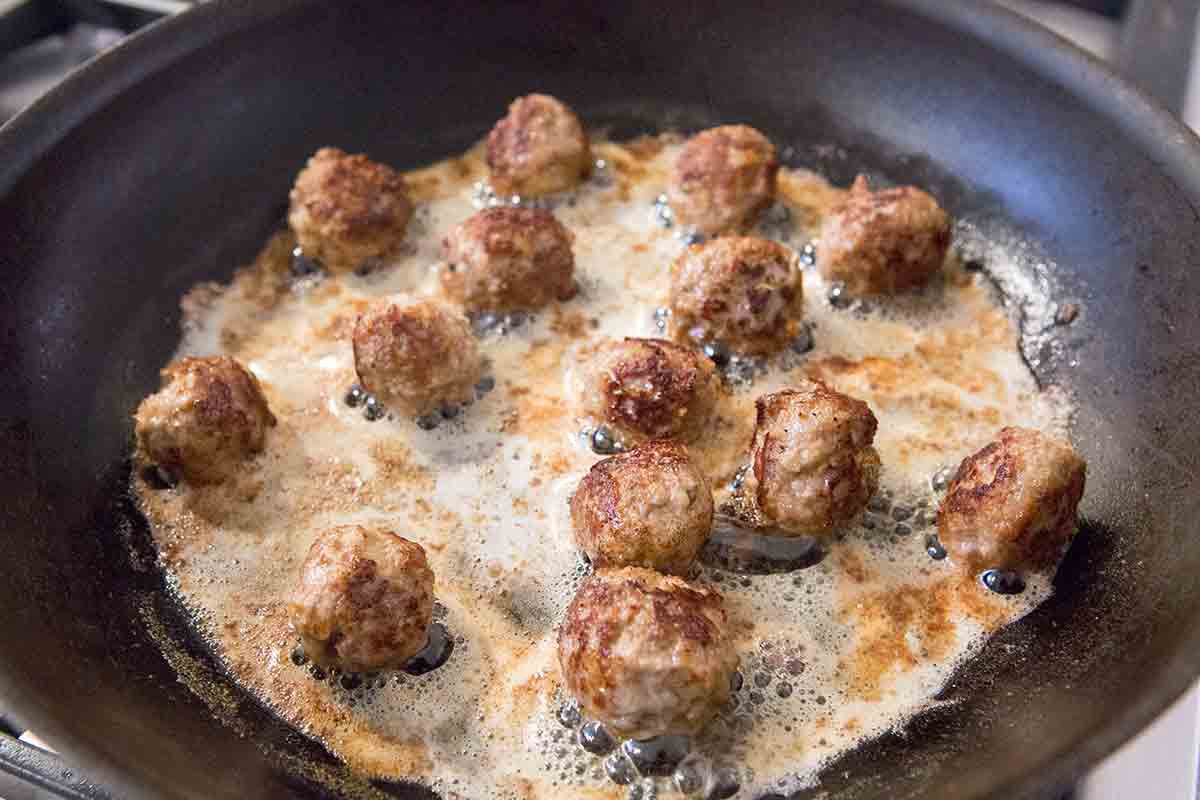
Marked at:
<point>1150,41</point>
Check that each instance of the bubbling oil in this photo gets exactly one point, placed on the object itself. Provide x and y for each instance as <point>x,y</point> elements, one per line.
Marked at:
<point>839,640</point>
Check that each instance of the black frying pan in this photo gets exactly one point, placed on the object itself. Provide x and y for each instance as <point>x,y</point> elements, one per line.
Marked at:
<point>168,161</point>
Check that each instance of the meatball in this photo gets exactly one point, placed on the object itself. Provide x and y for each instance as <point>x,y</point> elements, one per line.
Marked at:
<point>648,389</point>
<point>538,149</point>
<point>364,601</point>
<point>646,654</point>
<point>416,355</point>
<point>883,242</point>
<point>813,467</point>
<point>348,209</point>
<point>505,258</point>
<point>723,178</point>
<point>209,417</point>
<point>1013,503</point>
<point>744,291</point>
<point>650,507</point>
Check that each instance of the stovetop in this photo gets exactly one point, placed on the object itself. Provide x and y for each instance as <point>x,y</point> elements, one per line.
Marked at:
<point>41,41</point>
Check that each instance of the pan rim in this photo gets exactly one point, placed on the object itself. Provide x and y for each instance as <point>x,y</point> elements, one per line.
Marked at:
<point>1166,141</point>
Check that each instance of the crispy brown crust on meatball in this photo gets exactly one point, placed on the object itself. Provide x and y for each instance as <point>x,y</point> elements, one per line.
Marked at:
<point>741,290</point>
<point>416,355</point>
<point>347,209</point>
<point>650,507</point>
<point>364,600</point>
<point>505,258</point>
<point>813,466</point>
<point>209,417</point>
<point>645,653</point>
<point>883,242</point>
<point>649,389</point>
<point>723,178</point>
<point>539,148</point>
<point>1013,504</point>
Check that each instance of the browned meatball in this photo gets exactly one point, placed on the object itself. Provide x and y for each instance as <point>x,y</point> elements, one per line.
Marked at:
<point>741,290</point>
<point>364,601</point>
<point>646,654</point>
<point>724,177</point>
<point>416,355</point>
<point>539,148</point>
<point>648,389</point>
<point>348,209</point>
<point>650,507</point>
<point>813,466</point>
<point>206,421</point>
<point>883,242</point>
<point>1013,503</point>
<point>505,258</point>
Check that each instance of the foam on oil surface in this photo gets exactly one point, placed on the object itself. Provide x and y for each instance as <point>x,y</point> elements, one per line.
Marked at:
<point>832,655</point>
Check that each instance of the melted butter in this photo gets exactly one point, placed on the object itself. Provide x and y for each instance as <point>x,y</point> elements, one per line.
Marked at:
<point>846,650</point>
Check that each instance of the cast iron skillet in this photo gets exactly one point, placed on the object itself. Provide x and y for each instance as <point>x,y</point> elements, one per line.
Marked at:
<point>168,160</point>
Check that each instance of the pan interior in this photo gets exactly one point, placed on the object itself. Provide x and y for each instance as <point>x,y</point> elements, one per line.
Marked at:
<point>831,656</point>
<point>107,222</point>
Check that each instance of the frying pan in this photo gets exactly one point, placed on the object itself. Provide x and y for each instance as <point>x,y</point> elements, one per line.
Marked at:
<point>167,161</point>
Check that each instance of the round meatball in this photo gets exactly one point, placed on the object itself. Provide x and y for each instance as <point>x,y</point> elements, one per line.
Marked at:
<point>883,242</point>
<point>364,601</point>
<point>209,417</point>
<point>505,259</point>
<point>648,389</point>
<point>813,467</point>
<point>348,209</point>
<point>1013,503</point>
<point>538,149</point>
<point>650,507</point>
<point>723,178</point>
<point>416,355</point>
<point>647,654</point>
<point>743,291</point>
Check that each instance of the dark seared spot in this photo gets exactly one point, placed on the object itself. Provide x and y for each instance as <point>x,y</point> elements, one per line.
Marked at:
<point>683,610</point>
<point>970,491</point>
